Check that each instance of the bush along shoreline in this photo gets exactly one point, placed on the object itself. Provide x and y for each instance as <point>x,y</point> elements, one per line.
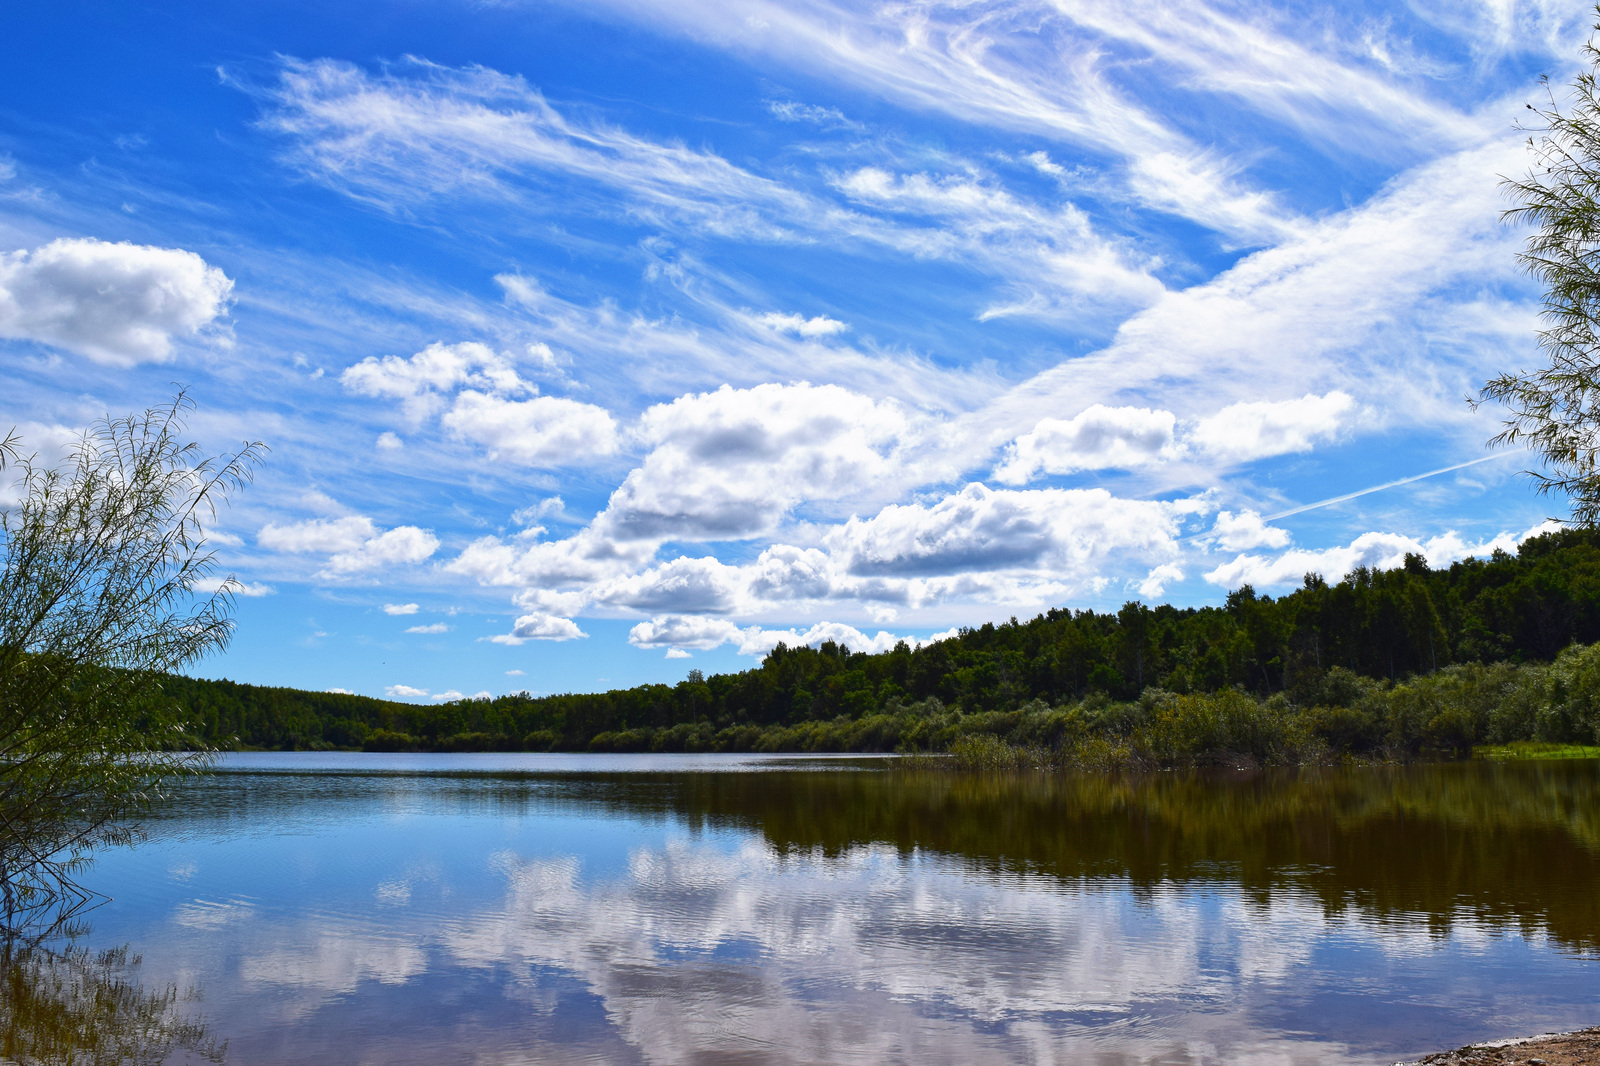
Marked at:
<point>1391,665</point>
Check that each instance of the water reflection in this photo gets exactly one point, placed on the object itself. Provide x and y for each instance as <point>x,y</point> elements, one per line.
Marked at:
<point>68,1004</point>
<point>1327,916</point>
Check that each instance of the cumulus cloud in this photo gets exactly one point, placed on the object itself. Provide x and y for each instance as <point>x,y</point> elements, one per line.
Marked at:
<point>978,545</point>
<point>117,304</point>
<point>1240,532</point>
<point>683,584</point>
<point>759,641</point>
<point>681,632</point>
<point>404,692</point>
<point>819,326</point>
<point>436,627</point>
<point>784,572</point>
<point>1257,429</point>
<point>981,528</point>
<point>400,608</point>
<point>538,626</point>
<point>1095,439</point>
<point>733,463</point>
<point>1156,582</point>
<point>419,380</point>
<point>1374,550</point>
<point>543,431</point>
<point>353,544</point>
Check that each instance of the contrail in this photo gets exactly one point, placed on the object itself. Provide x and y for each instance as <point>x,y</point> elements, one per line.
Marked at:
<point>1385,485</point>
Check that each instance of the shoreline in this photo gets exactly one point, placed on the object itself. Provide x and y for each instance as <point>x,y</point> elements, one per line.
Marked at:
<point>1580,1047</point>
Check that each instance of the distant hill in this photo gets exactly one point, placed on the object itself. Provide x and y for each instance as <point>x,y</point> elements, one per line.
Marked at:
<point>1386,625</point>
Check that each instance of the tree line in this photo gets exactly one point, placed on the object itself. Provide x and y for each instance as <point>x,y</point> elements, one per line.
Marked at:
<point>1382,625</point>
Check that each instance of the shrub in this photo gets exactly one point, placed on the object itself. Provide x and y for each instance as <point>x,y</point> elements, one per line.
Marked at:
<point>389,740</point>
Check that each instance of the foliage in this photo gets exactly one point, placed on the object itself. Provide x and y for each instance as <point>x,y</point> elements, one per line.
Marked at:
<point>1553,408</point>
<point>1383,664</point>
<point>100,598</point>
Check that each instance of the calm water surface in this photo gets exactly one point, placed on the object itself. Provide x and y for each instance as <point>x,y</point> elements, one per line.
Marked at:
<point>619,909</point>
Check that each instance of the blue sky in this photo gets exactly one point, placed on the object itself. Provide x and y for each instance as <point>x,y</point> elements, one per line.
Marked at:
<point>594,343</point>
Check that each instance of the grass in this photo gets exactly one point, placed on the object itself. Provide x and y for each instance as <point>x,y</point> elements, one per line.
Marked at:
<point>1536,749</point>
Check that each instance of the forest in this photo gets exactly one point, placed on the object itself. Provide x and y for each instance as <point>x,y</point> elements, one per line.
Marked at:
<point>1328,662</point>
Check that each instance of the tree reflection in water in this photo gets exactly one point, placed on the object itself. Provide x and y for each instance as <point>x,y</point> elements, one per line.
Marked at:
<point>70,1006</point>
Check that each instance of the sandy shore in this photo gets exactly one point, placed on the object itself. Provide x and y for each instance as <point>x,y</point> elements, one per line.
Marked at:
<point>1581,1048</point>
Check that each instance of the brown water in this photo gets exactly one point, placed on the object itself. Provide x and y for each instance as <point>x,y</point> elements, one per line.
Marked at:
<point>531,909</point>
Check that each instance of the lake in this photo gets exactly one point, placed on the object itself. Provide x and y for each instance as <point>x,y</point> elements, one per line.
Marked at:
<point>363,908</point>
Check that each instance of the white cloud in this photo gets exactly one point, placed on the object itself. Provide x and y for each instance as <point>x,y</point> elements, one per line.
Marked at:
<point>449,694</point>
<point>683,584</point>
<point>540,627</point>
<point>402,545</point>
<point>1257,429</point>
<point>389,442</point>
<point>1243,531</point>
<point>436,627</point>
<point>400,608</point>
<point>117,304</point>
<point>404,692</point>
<point>819,326</point>
<point>1156,582</point>
<point>733,463</point>
<point>1343,309</point>
<point>515,673</point>
<point>543,431</point>
<point>759,641</point>
<point>422,131</point>
<point>1055,260</point>
<point>1060,530</point>
<point>353,543</point>
<point>784,572</point>
<point>545,508</point>
<point>418,381</point>
<point>683,631</point>
<point>1094,439</point>
<point>318,534</point>
<point>826,117</point>
<point>234,585</point>
<point>339,691</point>
<point>1029,70</point>
<point>678,653</point>
<point>1380,551</point>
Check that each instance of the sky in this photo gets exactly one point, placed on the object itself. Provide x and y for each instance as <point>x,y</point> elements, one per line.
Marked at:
<point>595,343</point>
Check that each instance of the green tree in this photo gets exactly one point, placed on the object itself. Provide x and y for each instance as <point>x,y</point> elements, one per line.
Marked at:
<point>1555,409</point>
<point>106,588</point>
